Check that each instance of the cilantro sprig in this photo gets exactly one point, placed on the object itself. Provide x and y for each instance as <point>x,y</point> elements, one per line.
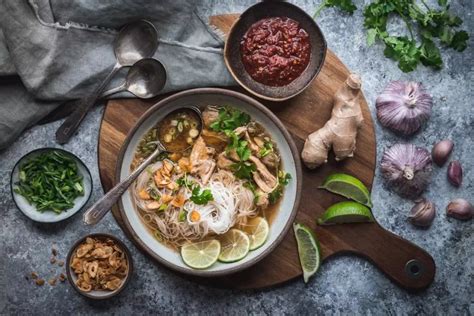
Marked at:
<point>198,195</point>
<point>433,27</point>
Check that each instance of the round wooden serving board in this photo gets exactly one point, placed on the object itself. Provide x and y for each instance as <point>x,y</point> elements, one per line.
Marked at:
<point>301,115</point>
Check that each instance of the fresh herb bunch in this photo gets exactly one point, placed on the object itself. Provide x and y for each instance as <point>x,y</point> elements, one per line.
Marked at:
<point>50,181</point>
<point>430,24</point>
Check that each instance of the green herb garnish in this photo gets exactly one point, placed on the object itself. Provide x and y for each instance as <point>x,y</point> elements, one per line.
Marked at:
<point>267,148</point>
<point>243,169</point>
<point>50,181</point>
<point>200,196</point>
<point>432,25</point>
<point>229,119</point>
<point>283,180</point>
<point>182,215</point>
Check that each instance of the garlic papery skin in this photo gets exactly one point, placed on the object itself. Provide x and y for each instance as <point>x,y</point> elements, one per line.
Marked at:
<point>423,213</point>
<point>441,151</point>
<point>407,169</point>
<point>460,209</point>
<point>403,107</point>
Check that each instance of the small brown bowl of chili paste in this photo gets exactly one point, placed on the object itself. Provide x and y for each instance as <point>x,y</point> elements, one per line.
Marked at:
<point>275,50</point>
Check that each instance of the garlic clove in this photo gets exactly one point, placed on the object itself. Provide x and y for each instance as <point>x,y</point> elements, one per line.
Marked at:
<point>460,209</point>
<point>441,151</point>
<point>455,173</point>
<point>422,213</point>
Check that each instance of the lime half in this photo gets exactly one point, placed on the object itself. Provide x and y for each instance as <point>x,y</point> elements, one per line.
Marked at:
<point>201,254</point>
<point>235,245</point>
<point>308,250</point>
<point>257,229</point>
<point>346,212</point>
<point>347,186</point>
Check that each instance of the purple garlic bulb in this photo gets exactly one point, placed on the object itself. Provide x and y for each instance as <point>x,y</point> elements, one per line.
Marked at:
<point>407,169</point>
<point>403,107</point>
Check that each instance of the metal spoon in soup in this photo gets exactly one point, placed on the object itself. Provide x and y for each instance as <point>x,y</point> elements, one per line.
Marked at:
<point>177,133</point>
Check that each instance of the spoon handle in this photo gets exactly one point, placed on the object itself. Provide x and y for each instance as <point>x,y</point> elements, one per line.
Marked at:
<point>72,122</point>
<point>97,211</point>
<point>108,93</point>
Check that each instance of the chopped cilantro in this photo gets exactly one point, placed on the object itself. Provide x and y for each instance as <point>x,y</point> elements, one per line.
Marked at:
<point>200,196</point>
<point>243,169</point>
<point>229,119</point>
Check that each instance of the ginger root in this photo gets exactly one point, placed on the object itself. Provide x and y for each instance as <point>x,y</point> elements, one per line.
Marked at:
<point>340,131</point>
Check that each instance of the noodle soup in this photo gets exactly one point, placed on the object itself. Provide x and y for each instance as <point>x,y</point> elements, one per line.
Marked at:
<point>230,174</point>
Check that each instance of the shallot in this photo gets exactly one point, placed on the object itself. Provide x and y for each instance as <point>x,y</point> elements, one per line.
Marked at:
<point>403,107</point>
<point>407,169</point>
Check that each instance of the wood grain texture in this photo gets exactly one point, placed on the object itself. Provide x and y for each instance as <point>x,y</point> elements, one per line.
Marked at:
<point>301,115</point>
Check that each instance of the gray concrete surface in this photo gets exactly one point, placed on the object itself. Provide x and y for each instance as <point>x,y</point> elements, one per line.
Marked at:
<point>345,285</point>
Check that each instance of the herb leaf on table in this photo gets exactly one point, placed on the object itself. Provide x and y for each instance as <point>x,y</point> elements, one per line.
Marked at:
<point>432,26</point>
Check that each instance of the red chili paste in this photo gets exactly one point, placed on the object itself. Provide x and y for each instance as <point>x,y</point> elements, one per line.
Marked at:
<point>275,51</point>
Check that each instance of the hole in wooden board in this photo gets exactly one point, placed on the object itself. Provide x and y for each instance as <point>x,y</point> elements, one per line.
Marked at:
<point>414,268</point>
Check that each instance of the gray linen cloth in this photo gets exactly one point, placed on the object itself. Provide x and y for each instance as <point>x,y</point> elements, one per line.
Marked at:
<point>62,49</point>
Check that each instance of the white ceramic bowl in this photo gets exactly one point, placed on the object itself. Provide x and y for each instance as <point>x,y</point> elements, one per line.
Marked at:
<point>201,97</point>
<point>50,216</point>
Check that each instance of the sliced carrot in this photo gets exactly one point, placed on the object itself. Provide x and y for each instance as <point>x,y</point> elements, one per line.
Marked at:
<point>195,216</point>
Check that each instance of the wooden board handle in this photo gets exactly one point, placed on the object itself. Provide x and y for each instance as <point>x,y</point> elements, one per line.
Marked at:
<point>404,262</point>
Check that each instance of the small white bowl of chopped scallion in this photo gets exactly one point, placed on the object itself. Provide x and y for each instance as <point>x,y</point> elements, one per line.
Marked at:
<point>50,184</point>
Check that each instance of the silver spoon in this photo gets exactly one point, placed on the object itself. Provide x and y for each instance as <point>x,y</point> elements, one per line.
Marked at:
<point>135,41</point>
<point>145,79</point>
<point>97,211</point>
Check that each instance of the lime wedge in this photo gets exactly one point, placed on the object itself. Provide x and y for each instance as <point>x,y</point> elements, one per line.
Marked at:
<point>257,229</point>
<point>201,254</point>
<point>347,186</point>
<point>346,212</point>
<point>308,250</point>
<point>235,245</point>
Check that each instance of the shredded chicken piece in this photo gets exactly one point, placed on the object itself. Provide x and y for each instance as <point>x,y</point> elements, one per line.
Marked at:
<point>223,162</point>
<point>271,160</point>
<point>201,161</point>
<point>209,115</point>
<point>242,130</point>
<point>264,179</point>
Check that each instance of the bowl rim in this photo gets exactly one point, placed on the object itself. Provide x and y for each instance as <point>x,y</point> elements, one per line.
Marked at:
<point>298,178</point>
<point>89,193</point>
<point>255,93</point>
<point>121,245</point>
